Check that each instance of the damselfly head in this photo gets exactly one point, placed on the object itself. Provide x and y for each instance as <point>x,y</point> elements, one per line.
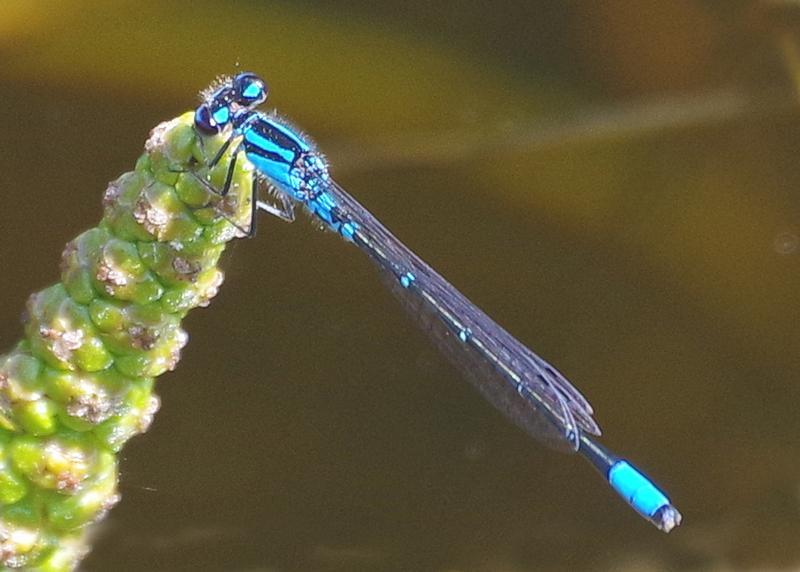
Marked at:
<point>229,98</point>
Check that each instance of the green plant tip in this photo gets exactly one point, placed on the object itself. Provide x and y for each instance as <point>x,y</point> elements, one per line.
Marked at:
<point>81,382</point>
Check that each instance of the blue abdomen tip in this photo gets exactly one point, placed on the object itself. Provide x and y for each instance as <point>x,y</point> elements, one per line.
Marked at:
<point>637,489</point>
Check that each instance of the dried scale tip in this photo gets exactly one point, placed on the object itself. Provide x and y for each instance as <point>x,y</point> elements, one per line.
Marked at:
<point>81,382</point>
<point>667,518</point>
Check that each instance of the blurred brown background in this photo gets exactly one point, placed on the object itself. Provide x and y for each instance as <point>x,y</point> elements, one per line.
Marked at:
<point>616,182</point>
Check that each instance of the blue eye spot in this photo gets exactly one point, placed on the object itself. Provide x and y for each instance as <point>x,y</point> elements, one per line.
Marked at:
<point>252,91</point>
<point>222,115</point>
<point>249,89</point>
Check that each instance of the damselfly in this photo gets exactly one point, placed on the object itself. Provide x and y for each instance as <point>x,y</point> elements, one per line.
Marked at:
<point>527,389</point>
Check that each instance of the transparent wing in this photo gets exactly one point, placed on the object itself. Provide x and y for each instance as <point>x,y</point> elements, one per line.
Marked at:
<point>527,389</point>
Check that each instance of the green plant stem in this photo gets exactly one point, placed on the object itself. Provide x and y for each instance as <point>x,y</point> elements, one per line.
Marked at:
<point>80,383</point>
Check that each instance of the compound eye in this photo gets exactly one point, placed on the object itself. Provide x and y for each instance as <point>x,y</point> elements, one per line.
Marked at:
<point>204,121</point>
<point>250,89</point>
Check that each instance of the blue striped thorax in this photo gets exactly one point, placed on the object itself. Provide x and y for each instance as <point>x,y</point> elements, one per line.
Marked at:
<point>291,164</point>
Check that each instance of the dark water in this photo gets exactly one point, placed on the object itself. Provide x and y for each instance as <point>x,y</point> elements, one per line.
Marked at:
<point>616,183</point>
